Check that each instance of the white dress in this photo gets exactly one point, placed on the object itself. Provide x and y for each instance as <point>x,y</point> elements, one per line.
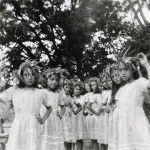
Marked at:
<point>130,127</point>
<point>105,119</point>
<point>25,133</point>
<point>92,119</point>
<point>52,135</point>
<point>78,122</point>
<point>66,120</point>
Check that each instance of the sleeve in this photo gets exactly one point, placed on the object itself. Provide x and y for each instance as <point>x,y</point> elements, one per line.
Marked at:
<point>109,97</point>
<point>99,99</point>
<point>82,101</point>
<point>45,98</point>
<point>61,101</point>
<point>6,96</point>
<point>143,84</point>
<point>92,99</point>
<point>104,98</point>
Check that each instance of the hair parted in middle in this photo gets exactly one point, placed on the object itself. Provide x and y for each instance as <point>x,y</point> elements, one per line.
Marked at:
<point>33,65</point>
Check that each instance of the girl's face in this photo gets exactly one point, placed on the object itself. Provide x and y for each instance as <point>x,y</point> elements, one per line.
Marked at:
<point>87,87</point>
<point>125,72</point>
<point>94,86</point>
<point>77,91</point>
<point>53,82</point>
<point>62,79</point>
<point>67,89</point>
<point>28,77</point>
<point>116,76</point>
<point>109,82</point>
<point>100,86</point>
<point>104,82</point>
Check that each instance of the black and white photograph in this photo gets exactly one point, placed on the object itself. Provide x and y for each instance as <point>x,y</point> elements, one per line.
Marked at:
<point>74,74</point>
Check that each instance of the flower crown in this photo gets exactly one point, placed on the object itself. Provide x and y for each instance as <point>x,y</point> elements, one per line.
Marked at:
<point>62,71</point>
<point>50,71</point>
<point>133,62</point>
<point>94,79</point>
<point>31,64</point>
<point>106,71</point>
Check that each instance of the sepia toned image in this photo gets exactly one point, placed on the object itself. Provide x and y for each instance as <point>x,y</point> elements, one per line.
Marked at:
<point>74,74</point>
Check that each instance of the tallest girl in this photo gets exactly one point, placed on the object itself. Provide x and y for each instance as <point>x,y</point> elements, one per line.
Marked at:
<point>27,100</point>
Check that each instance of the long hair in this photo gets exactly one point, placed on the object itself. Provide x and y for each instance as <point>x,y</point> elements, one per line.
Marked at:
<point>96,80</point>
<point>47,74</point>
<point>35,70</point>
<point>115,87</point>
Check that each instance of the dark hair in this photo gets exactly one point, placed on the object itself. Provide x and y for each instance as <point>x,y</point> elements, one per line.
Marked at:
<point>49,76</point>
<point>21,82</point>
<point>105,76</point>
<point>115,87</point>
<point>94,79</point>
<point>87,82</point>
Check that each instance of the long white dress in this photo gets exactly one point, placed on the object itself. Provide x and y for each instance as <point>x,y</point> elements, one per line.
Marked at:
<point>52,135</point>
<point>25,133</point>
<point>92,119</point>
<point>78,122</point>
<point>105,118</point>
<point>130,127</point>
<point>66,121</point>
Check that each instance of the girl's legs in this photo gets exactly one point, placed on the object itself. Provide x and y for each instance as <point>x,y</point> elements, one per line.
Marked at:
<point>95,144</point>
<point>65,145</point>
<point>104,147</point>
<point>79,144</point>
<point>69,145</point>
<point>73,146</point>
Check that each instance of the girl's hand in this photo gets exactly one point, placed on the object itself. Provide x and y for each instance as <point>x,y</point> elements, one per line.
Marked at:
<point>78,105</point>
<point>70,113</point>
<point>58,113</point>
<point>39,119</point>
<point>60,116</point>
<point>143,58</point>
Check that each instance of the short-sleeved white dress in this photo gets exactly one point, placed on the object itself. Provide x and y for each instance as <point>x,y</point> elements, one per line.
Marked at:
<point>25,133</point>
<point>105,119</point>
<point>52,135</point>
<point>130,127</point>
<point>92,119</point>
<point>78,122</point>
<point>67,120</point>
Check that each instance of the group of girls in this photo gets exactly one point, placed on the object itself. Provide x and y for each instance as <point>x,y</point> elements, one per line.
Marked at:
<point>107,110</point>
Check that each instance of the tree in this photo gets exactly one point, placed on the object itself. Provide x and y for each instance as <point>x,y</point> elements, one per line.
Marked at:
<point>139,42</point>
<point>56,35</point>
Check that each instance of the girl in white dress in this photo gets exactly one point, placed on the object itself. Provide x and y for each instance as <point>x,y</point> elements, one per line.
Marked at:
<point>130,128</point>
<point>77,117</point>
<point>105,108</point>
<point>95,100</point>
<point>25,133</point>
<point>52,136</point>
<point>66,120</point>
<point>116,83</point>
<point>86,112</point>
